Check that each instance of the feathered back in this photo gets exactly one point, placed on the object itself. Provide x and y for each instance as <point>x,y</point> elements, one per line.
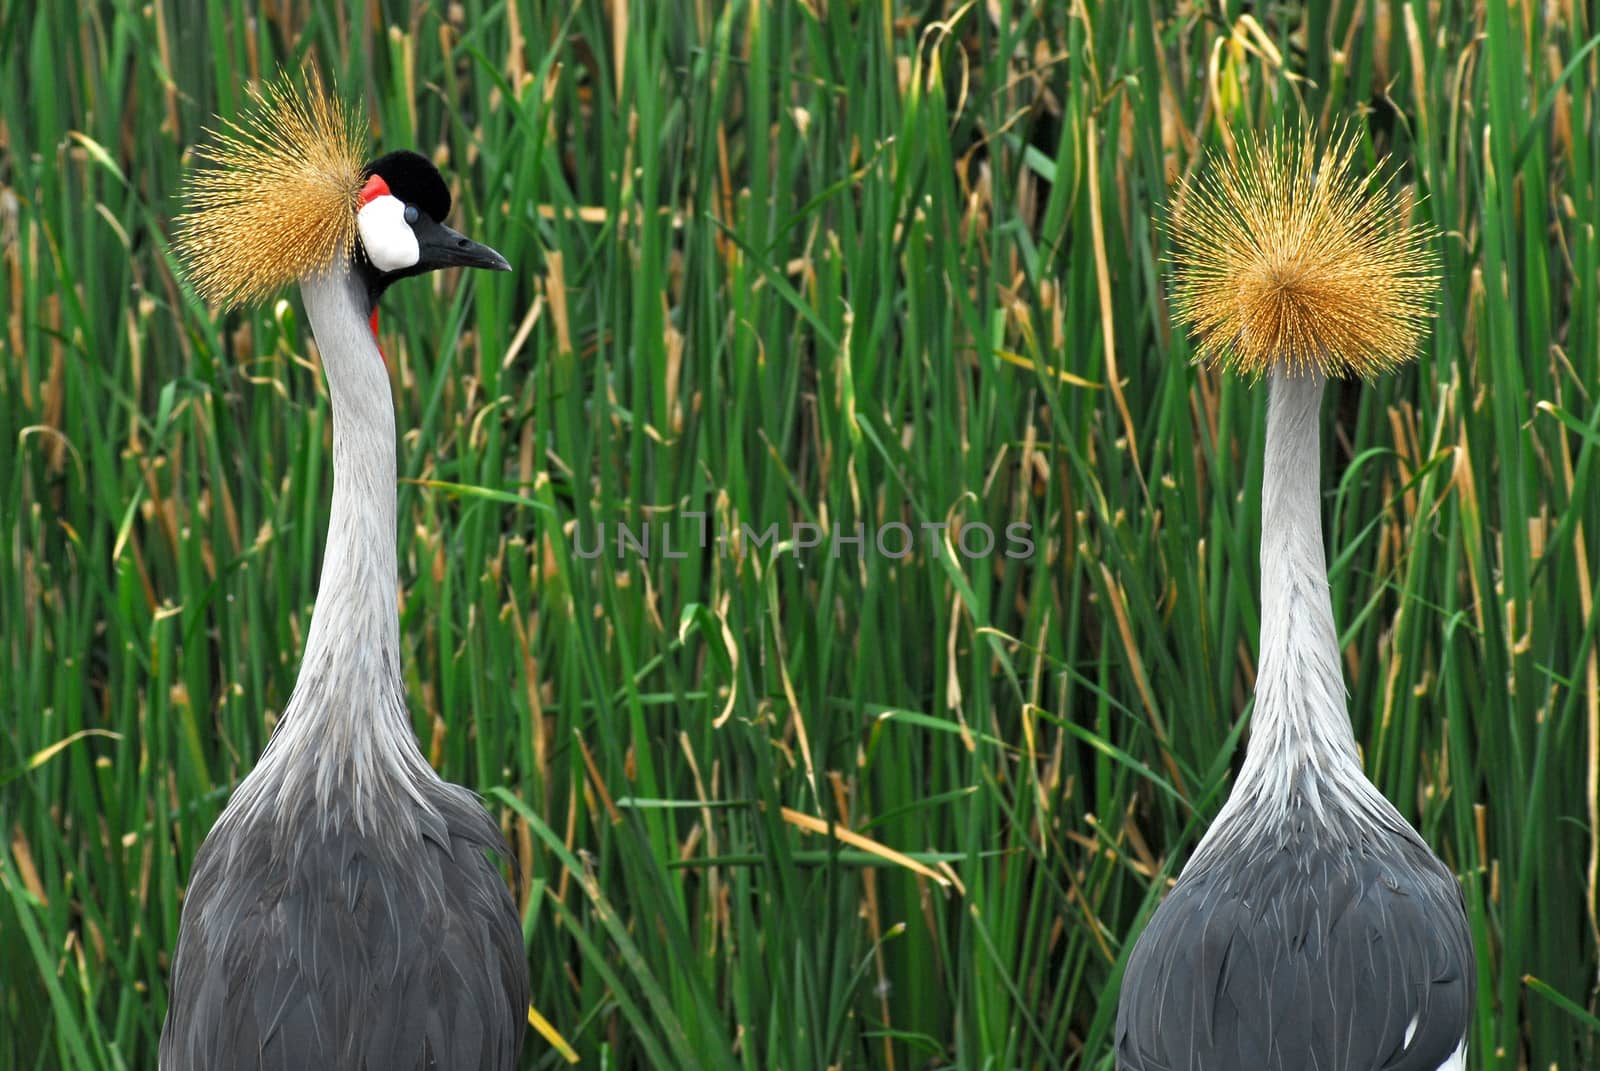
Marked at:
<point>1285,260</point>
<point>276,200</point>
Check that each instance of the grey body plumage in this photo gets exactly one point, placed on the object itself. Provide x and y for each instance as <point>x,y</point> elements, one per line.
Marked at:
<point>1330,949</point>
<point>1313,930</point>
<point>347,910</point>
<point>343,949</point>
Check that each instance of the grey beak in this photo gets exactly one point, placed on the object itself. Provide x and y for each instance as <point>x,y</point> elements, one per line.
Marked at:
<point>441,247</point>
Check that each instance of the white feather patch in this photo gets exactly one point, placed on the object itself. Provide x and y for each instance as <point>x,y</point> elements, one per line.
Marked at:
<point>1456,1061</point>
<point>390,242</point>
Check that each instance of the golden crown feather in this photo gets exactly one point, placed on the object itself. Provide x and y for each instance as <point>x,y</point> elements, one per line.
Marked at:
<point>277,199</point>
<point>1285,260</point>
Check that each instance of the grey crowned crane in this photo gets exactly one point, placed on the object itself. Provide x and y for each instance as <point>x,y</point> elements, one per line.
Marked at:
<point>1313,929</point>
<point>346,910</point>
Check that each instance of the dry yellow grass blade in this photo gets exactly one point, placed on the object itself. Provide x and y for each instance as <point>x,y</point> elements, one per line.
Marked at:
<point>277,199</point>
<point>866,844</point>
<point>1061,374</point>
<point>551,1034</point>
<point>44,755</point>
<point>1286,260</point>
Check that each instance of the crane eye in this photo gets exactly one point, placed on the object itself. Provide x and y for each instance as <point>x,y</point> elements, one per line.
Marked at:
<point>411,214</point>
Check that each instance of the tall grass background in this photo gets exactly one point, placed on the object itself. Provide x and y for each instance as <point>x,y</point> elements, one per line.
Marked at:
<point>831,264</point>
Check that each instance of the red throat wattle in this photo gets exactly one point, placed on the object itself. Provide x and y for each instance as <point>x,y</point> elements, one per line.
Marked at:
<point>373,323</point>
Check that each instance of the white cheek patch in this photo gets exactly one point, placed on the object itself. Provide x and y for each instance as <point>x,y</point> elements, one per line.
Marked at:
<point>390,242</point>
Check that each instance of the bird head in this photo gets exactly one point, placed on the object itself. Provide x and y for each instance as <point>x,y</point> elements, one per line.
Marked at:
<point>399,218</point>
<point>1286,260</point>
<point>285,194</point>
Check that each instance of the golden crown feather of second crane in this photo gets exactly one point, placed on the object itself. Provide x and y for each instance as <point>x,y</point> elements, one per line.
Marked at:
<point>277,199</point>
<point>1286,260</point>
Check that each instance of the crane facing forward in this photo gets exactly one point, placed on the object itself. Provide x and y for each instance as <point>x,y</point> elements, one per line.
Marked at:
<point>344,911</point>
<point>1313,929</point>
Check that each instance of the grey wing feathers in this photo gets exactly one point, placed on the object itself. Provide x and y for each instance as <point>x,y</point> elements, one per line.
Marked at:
<point>1301,962</point>
<point>350,956</point>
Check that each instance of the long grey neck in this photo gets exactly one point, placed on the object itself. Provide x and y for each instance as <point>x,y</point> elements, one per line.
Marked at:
<point>345,740</point>
<point>1302,754</point>
<point>355,632</point>
<point>1300,696</point>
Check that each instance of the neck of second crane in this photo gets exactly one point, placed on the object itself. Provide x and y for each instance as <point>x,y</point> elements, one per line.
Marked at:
<point>347,719</point>
<point>1300,737</point>
<point>355,631</point>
